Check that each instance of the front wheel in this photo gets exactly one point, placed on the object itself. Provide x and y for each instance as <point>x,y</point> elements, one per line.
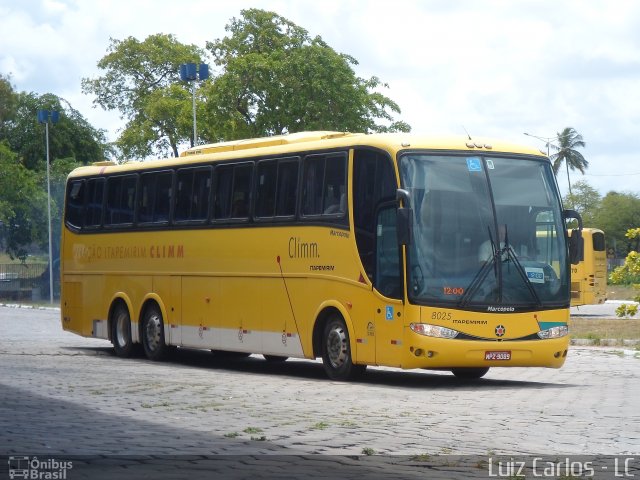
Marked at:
<point>153,342</point>
<point>336,351</point>
<point>470,373</point>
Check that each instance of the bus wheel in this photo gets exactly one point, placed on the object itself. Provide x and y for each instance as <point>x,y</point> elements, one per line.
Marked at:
<point>153,334</point>
<point>469,373</point>
<point>275,358</point>
<point>121,332</point>
<point>336,351</point>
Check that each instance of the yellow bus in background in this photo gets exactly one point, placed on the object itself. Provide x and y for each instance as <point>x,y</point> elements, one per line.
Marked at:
<point>589,276</point>
<point>385,249</point>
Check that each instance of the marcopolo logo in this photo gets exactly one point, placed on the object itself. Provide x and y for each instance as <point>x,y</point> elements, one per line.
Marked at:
<point>35,469</point>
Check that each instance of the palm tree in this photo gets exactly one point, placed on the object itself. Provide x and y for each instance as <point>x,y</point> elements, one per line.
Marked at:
<point>568,141</point>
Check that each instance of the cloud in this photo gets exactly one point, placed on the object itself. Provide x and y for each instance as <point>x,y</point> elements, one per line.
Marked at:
<point>496,67</point>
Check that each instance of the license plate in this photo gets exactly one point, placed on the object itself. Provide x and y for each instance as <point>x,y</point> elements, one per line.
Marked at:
<point>502,355</point>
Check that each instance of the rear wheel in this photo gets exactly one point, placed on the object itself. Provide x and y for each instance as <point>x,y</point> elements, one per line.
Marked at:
<point>336,351</point>
<point>469,373</point>
<point>153,342</point>
<point>121,332</point>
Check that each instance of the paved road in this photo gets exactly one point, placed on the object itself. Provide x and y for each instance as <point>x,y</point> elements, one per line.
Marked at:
<point>65,395</point>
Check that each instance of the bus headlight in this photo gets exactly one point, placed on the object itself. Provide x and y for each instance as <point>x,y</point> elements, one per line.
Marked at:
<point>554,332</point>
<point>433,330</point>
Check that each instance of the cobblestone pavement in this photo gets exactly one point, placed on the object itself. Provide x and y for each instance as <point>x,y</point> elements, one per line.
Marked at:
<point>61,394</point>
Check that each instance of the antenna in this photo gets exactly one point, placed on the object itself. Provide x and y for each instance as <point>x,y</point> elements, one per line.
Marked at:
<point>465,131</point>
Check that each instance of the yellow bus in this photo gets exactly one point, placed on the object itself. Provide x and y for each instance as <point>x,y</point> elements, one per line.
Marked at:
<point>589,277</point>
<point>385,249</point>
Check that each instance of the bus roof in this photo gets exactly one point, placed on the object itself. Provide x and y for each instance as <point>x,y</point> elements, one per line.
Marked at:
<point>311,141</point>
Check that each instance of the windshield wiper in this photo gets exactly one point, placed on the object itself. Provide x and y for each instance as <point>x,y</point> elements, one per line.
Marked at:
<point>480,276</point>
<point>520,269</point>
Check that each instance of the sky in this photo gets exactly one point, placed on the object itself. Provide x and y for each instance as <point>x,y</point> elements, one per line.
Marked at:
<point>496,68</point>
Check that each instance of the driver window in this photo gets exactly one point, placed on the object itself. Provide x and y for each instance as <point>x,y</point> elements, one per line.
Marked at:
<point>388,280</point>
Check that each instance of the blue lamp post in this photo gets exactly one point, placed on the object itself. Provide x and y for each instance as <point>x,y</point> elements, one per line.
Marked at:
<point>190,72</point>
<point>44,116</point>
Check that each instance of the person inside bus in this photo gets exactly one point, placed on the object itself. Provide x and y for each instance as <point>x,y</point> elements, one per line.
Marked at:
<point>485,252</point>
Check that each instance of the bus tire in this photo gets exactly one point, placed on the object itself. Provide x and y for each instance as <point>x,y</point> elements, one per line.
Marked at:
<point>275,358</point>
<point>152,334</point>
<point>336,351</point>
<point>121,332</point>
<point>470,373</point>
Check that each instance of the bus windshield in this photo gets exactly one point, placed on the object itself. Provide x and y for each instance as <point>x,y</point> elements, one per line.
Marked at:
<point>487,233</point>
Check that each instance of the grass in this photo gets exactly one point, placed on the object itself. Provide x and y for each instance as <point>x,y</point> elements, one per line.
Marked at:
<point>621,292</point>
<point>4,258</point>
<point>320,426</point>
<point>619,328</point>
<point>252,430</point>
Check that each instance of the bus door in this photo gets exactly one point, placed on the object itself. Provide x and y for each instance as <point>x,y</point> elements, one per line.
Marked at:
<point>387,283</point>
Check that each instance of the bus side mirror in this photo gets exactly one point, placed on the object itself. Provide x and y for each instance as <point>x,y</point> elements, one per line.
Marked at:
<point>576,242</point>
<point>404,217</point>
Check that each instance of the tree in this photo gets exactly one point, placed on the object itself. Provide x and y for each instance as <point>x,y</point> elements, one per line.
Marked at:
<point>8,99</point>
<point>586,200</point>
<point>23,205</point>
<point>142,81</point>
<point>629,273</point>
<point>568,141</point>
<point>73,136</point>
<point>618,213</point>
<point>277,79</point>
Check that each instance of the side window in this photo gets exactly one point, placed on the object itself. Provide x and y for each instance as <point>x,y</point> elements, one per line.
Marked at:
<point>267,181</point>
<point>121,195</point>
<point>324,181</point>
<point>95,199</point>
<point>232,192</point>
<point>598,241</point>
<point>388,279</point>
<point>193,186</point>
<point>374,182</point>
<point>547,240</point>
<point>276,188</point>
<point>287,192</point>
<point>154,201</point>
<point>75,203</point>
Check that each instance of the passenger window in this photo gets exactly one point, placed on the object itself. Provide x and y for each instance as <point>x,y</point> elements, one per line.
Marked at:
<point>324,185</point>
<point>266,188</point>
<point>95,199</point>
<point>75,202</point>
<point>277,188</point>
<point>287,192</point>
<point>121,194</point>
<point>193,186</point>
<point>154,203</point>
<point>233,188</point>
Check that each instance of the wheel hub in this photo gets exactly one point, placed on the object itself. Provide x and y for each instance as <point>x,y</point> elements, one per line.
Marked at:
<point>337,346</point>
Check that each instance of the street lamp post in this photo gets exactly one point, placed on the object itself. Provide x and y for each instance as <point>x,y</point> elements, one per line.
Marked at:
<point>44,116</point>
<point>189,72</point>
<point>547,140</point>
